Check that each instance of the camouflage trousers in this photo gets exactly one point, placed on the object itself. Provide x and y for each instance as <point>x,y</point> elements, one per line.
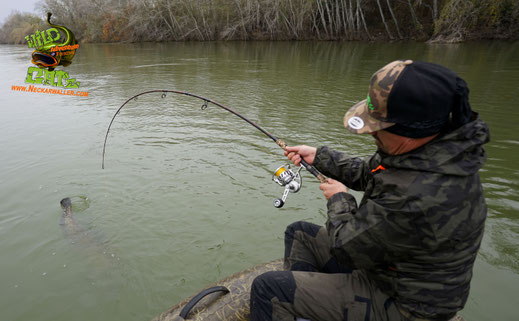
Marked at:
<point>315,286</point>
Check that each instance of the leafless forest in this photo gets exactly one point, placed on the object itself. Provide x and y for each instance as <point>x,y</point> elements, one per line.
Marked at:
<point>202,20</point>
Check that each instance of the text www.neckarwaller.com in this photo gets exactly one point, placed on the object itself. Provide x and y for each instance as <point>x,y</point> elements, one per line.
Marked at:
<point>41,90</point>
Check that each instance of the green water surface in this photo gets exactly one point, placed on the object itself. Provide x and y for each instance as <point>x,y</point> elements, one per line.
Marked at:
<point>186,196</point>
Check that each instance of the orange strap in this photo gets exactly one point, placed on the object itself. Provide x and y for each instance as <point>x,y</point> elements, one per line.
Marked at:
<point>379,168</point>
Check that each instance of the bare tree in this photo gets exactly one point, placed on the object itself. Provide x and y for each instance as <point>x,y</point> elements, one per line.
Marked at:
<point>394,20</point>
<point>363,21</point>
<point>413,15</point>
<point>384,20</point>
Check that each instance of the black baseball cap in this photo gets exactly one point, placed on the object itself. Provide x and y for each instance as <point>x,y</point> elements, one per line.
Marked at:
<point>408,98</point>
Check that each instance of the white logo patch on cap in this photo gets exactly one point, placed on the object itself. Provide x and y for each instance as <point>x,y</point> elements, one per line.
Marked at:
<point>355,122</point>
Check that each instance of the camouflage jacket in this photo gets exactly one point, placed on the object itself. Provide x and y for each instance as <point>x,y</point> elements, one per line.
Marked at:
<point>419,225</point>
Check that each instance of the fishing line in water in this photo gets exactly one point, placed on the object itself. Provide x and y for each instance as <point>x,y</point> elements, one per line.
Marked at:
<point>284,176</point>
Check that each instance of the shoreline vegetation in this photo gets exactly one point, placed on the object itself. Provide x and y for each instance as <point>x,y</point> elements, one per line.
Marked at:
<point>207,20</point>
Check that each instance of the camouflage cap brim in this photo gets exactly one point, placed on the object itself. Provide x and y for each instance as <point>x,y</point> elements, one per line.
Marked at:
<point>358,120</point>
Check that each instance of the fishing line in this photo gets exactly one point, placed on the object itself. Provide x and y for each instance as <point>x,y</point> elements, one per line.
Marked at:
<point>287,174</point>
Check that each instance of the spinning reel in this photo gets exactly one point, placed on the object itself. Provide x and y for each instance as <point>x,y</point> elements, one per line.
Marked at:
<point>284,176</point>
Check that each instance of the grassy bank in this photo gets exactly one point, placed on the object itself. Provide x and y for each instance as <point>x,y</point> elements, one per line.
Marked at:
<point>177,20</point>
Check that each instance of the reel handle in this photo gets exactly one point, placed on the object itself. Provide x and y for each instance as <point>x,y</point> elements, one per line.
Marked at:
<point>278,203</point>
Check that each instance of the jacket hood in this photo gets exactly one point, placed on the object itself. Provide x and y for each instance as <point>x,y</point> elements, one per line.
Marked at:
<point>459,152</point>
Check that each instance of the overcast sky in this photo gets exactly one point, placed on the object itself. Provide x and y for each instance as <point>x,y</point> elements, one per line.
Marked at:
<point>20,5</point>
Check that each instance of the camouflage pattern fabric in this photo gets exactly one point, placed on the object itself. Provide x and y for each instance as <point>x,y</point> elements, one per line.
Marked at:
<point>282,295</point>
<point>418,228</point>
<point>370,114</point>
<point>316,287</point>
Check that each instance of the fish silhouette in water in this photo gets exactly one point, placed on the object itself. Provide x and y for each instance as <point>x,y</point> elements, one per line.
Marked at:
<point>90,244</point>
<point>68,222</point>
<point>87,242</point>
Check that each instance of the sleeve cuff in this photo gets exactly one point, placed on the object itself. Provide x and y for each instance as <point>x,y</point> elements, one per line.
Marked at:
<point>318,157</point>
<point>340,207</point>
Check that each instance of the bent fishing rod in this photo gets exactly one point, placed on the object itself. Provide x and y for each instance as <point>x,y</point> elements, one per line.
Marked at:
<point>284,176</point>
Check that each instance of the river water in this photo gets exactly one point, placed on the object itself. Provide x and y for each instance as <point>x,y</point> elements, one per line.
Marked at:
<point>186,195</point>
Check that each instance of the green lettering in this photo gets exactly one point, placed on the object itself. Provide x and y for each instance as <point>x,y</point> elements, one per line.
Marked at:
<point>72,83</point>
<point>34,43</point>
<point>49,34</point>
<point>64,82</point>
<point>37,38</point>
<point>39,76</point>
<point>43,38</point>
<point>60,74</point>
<point>29,42</point>
<point>370,105</point>
<point>49,78</point>
<point>29,79</point>
<point>30,73</point>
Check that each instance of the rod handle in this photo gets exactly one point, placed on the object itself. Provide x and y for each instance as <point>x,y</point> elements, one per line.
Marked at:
<point>308,167</point>
<point>313,171</point>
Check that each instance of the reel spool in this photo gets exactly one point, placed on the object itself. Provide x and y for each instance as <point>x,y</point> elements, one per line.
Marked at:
<point>284,176</point>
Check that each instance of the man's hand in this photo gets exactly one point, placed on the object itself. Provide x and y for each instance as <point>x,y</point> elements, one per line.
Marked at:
<point>297,152</point>
<point>332,187</point>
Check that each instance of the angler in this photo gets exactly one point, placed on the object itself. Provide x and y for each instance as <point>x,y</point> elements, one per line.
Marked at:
<point>405,252</point>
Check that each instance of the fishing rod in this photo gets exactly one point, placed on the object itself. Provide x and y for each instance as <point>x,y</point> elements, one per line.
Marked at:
<point>284,176</point>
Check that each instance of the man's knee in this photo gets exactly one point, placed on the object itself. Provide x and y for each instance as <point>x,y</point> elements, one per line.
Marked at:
<point>280,284</point>
<point>306,228</point>
<point>266,287</point>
